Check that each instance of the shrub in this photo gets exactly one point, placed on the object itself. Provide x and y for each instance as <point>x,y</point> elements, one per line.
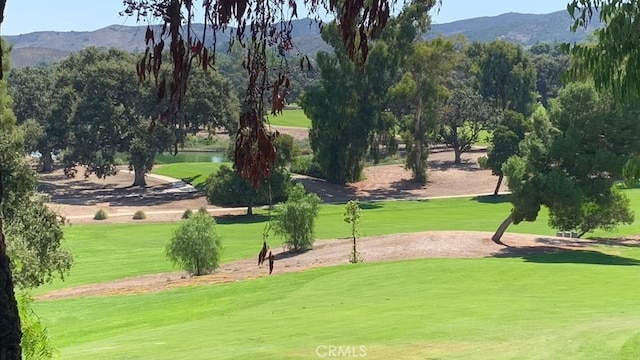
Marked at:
<point>226,188</point>
<point>295,219</point>
<point>203,210</point>
<point>187,214</point>
<point>139,215</point>
<point>306,165</point>
<point>101,215</point>
<point>195,245</point>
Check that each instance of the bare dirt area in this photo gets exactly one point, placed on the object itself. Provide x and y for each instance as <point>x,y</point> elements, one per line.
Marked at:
<point>458,244</point>
<point>386,182</point>
<point>296,132</point>
<point>163,199</point>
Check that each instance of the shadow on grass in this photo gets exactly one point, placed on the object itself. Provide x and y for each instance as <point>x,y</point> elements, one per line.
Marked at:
<point>191,179</point>
<point>491,199</point>
<point>554,255</point>
<point>241,219</point>
<point>370,205</point>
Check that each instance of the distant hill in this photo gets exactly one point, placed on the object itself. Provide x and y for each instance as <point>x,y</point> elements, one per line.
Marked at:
<point>48,47</point>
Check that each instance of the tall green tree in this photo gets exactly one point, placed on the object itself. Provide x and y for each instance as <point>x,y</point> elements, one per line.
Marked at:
<point>211,103</point>
<point>42,110</point>
<point>346,107</point>
<point>551,63</point>
<point>505,73</point>
<point>30,232</point>
<point>422,90</point>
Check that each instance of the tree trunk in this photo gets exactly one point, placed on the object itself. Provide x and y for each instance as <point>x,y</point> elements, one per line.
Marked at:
<point>503,227</point>
<point>139,179</point>
<point>10,333</point>
<point>458,155</point>
<point>420,171</point>
<point>47,162</point>
<point>250,208</point>
<point>355,252</point>
<point>495,192</point>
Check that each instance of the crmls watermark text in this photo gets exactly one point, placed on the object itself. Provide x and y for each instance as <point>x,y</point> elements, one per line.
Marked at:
<point>341,351</point>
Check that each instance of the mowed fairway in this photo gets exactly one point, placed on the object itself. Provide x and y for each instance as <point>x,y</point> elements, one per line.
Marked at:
<point>108,252</point>
<point>566,305</point>
<point>292,118</point>
<point>534,308</point>
<point>195,174</point>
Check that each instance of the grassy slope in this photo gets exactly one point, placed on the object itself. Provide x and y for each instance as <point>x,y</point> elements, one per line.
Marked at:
<point>293,118</point>
<point>108,252</point>
<point>193,173</point>
<point>553,307</point>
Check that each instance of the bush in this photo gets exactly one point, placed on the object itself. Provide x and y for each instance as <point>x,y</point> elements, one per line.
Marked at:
<point>195,245</point>
<point>101,215</point>
<point>306,165</point>
<point>295,219</point>
<point>139,215</point>
<point>203,210</point>
<point>187,214</point>
<point>226,188</point>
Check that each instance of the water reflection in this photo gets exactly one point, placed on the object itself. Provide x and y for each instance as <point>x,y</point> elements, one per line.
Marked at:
<point>191,156</point>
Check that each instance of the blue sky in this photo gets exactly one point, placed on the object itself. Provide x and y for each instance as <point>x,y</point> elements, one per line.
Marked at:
<point>25,16</point>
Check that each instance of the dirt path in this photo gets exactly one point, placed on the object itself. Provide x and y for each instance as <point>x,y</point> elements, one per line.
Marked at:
<point>442,244</point>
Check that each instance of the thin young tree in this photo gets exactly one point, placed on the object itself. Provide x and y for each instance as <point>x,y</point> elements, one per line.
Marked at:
<point>353,216</point>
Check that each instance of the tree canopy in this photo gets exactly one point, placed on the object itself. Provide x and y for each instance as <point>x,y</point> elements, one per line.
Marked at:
<point>570,163</point>
<point>613,59</point>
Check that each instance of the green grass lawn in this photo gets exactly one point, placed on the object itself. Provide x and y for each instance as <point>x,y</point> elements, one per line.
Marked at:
<point>562,306</point>
<point>291,117</point>
<point>107,252</point>
<point>194,173</point>
<point>484,139</point>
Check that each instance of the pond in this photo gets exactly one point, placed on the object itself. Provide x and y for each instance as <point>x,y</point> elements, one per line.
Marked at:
<point>191,156</point>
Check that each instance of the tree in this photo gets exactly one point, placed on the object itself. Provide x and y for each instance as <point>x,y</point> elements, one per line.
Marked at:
<point>295,219</point>
<point>30,232</point>
<point>505,73</point>
<point>353,215</point>
<point>505,140</point>
<point>38,107</point>
<point>211,103</point>
<point>107,113</point>
<point>551,63</point>
<point>195,245</point>
<point>421,89</point>
<point>612,60</point>
<point>463,115</point>
<point>570,164</point>
<point>346,107</point>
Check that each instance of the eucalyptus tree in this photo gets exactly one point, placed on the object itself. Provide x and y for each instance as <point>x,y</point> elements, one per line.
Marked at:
<point>419,95</point>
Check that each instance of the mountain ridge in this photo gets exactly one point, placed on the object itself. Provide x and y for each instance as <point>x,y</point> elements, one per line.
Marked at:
<point>46,47</point>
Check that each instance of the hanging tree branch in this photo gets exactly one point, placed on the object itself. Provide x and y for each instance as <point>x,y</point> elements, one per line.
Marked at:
<point>259,26</point>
